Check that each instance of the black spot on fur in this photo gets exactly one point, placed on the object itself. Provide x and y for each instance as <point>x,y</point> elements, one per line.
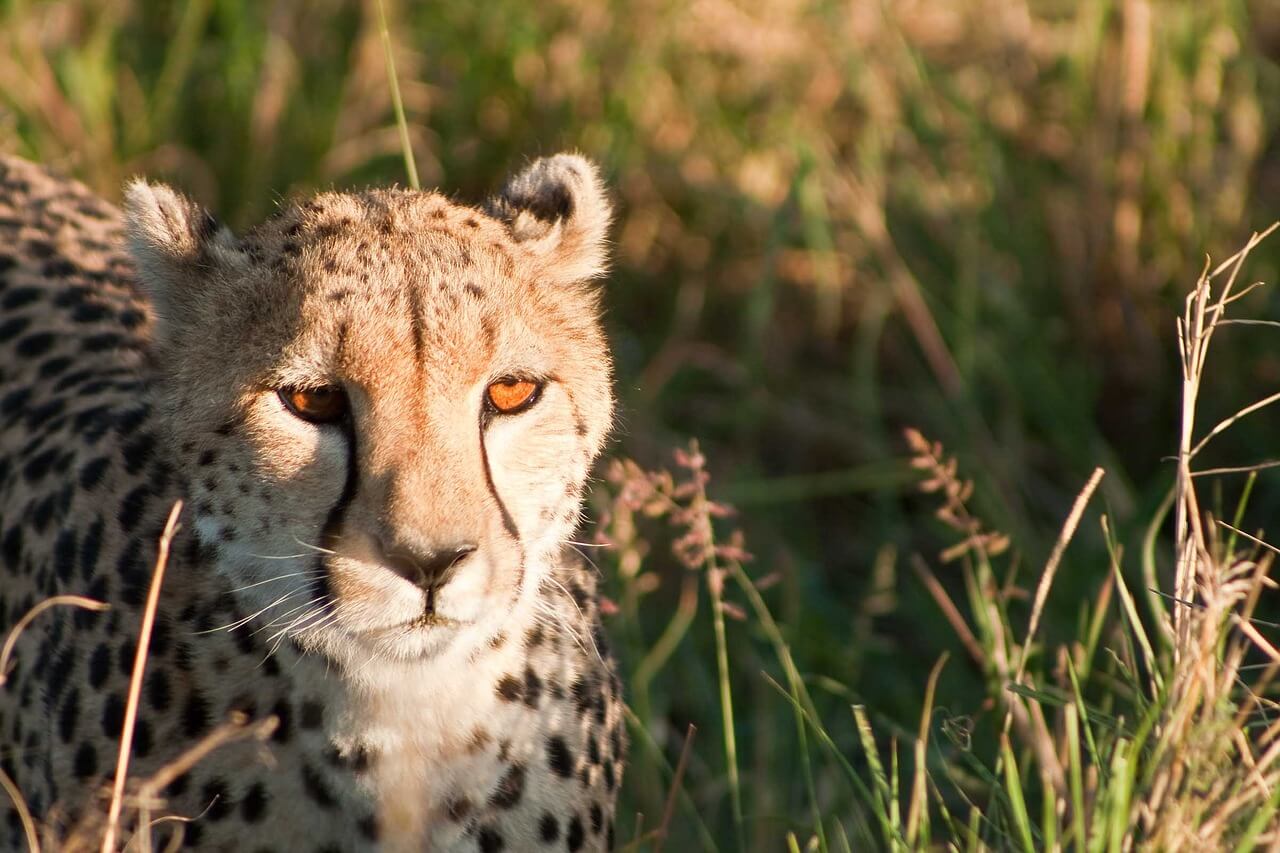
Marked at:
<point>159,694</point>
<point>217,799</point>
<point>60,676</point>
<point>90,312</point>
<point>532,687</point>
<point>19,297</point>
<point>11,546</point>
<point>559,759</point>
<point>58,268</point>
<point>510,788</point>
<point>597,819</point>
<point>574,837</point>
<point>14,402</point>
<point>509,688</point>
<point>316,789</point>
<point>311,714</point>
<point>490,840</point>
<point>195,715</point>
<point>548,828</point>
<point>133,573</point>
<point>284,713</point>
<point>458,808</point>
<point>133,506</point>
<point>55,366</point>
<point>64,554</point>
<point>142,740</point>
<point>13,327</point>
<point>112,716</point>
<point>178,786</point>
<point>38,466</point>
<point>254,805</point>
<point>126,655</point>
<point>69,715</point>
<point>99,666</point>
<point>101,342</point>
<point>137,453</point>
<point>85,764</point>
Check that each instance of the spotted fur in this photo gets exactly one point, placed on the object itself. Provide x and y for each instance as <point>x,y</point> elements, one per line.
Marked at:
<point>140,359</point>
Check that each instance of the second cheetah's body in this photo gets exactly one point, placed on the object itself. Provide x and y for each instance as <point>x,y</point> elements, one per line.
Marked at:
<point>374,542</point>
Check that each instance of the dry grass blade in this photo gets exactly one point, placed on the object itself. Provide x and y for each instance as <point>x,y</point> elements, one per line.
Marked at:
<point>236,728</point>
<point>24,813</point>
<point>949,610</point>
<point>1051,568</point>
<point>135,681</point>
<point>12,639</point>
<point>1201,316</point>
<point>669,810</point>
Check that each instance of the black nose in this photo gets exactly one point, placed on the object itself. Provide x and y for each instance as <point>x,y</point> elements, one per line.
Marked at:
<point>432,569</point>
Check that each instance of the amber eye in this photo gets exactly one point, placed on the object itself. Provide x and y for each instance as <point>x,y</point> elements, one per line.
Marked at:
<point>509,396</point>
<point>321,405</point>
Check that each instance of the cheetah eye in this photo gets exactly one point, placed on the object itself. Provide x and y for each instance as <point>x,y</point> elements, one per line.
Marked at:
<point>512,396</point>
<point>321,405</point>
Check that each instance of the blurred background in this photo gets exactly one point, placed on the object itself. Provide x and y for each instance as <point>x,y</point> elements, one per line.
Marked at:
<point>835,220</point>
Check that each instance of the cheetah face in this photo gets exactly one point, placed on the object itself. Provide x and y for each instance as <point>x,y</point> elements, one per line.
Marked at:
<point>386,404</point>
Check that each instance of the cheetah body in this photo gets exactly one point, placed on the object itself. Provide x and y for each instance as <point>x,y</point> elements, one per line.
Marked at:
<point>142,358</point>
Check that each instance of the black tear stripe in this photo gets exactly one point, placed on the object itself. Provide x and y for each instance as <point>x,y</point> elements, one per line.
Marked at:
<point>338,512</point>
<point>508,523</point>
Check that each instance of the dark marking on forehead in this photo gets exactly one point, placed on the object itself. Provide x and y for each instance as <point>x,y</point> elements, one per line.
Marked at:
<point>417,322</point>
<point>474,289</point>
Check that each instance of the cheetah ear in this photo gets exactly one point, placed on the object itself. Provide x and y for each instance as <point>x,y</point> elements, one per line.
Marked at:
<point>558,210</point>
<point>172,240</point>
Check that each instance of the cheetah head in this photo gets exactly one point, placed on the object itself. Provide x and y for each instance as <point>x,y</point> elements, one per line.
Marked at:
<point>385,404</point>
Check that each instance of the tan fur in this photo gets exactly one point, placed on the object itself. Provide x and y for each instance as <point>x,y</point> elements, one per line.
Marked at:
<point>298,534</point>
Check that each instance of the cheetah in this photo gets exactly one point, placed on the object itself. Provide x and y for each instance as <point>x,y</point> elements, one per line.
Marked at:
<point>379,410</point>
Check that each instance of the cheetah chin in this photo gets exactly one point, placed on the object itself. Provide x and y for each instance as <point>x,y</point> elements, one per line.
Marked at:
<point>379,410</point>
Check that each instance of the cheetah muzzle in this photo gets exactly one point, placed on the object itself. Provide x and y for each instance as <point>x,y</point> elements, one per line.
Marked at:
<point>380,410</point>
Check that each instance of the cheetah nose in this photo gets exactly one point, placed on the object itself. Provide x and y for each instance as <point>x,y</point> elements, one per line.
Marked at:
<point>432,569</point>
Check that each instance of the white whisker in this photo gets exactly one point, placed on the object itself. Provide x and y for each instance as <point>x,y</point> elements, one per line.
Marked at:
<point>316,548</point>
<point>253,616</point>
<point>315,572</point>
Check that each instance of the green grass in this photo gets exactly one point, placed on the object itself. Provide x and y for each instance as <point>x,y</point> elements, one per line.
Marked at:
<point>835,221</point>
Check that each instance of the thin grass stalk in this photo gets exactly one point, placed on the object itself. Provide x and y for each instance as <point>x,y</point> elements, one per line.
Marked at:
<point>715,582</point>
<point>795,685</point>
<point>1013,790</point>
<point>918,812</point>
<point>406,146</point>
<point>135,680</point>
<point>880,787</point>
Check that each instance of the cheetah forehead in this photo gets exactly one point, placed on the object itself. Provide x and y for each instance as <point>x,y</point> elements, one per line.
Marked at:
<point>550,221</point>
